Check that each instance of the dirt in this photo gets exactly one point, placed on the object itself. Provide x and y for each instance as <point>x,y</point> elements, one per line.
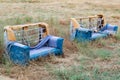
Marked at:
<point>5,78</point>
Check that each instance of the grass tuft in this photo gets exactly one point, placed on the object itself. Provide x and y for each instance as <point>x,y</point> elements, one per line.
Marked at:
<point>102,54</point>
<point>85,73</point>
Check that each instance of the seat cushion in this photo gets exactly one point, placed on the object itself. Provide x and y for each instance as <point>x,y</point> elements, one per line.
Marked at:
<point>109,32</point>
<point>44,51</point>
<point>98,35</point>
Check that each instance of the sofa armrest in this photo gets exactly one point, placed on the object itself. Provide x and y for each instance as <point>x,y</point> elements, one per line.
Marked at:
<point>110,27</point>
<point>56,42</point>
<point>83,34</point>
<point>18,53</point>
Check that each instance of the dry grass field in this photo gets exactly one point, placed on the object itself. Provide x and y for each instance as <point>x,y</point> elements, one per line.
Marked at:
<point>97,60</point>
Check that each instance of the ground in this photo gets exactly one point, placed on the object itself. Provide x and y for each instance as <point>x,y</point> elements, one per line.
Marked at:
<point>92,61</point>
<point>5,78</point>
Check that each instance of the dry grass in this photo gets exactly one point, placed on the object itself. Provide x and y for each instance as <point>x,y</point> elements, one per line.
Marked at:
<point>57,15</point>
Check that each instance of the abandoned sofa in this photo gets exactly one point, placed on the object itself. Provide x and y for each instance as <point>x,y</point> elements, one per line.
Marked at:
<point>94,30</point>
<point>30,41</point>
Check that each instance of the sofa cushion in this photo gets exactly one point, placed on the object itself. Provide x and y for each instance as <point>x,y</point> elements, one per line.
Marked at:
<point>53,41</point>
<point>109,32</point>
<point>98,35</point>
<point>44,51</point>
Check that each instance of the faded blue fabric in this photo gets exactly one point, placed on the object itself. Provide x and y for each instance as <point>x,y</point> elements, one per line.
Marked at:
<point>53,41</point>
<point>56,42</point>
<point>8,46</point>
<point>98,35</point>
<point>72,35</point>
<point>19,54</point>
<point>109,29</point>
<point>60,45</point>
<point>109,32</point>
<point>54,45</point>
<point>42,43</point>
<point>84,29</point>
<point>42,52</point>
<point>83,35</point>
<point>76,33</point>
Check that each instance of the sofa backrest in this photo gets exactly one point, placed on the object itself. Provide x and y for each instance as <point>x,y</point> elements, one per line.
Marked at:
<point>88,22</point>
<point>28,34</point>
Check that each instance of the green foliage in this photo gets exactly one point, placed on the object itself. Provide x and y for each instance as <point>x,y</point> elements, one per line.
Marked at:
<point>1,40</point>
<point>86,49</point>
<point>118,35</point>
<point>6,63</point>
<point>103,53</point>
<point>83,73</point>
<point>76,73</point>
<point>18,20</point>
